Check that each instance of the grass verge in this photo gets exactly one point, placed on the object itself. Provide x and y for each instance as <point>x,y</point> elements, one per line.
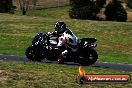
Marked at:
<point>38,75</point>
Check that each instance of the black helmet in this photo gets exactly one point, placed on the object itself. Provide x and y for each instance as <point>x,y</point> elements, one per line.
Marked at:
<point>60,27</point>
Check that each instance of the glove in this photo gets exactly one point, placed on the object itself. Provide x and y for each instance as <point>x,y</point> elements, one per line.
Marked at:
<point>49,33</point>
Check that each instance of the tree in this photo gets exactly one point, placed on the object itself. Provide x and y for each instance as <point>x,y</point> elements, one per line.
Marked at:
<point>129,3</point>
<point>115,11</point>
<point>34,3</point>
<point>101,3</point>
<point>83,9</point>
<point>24,5</point>
<point>6,6</point>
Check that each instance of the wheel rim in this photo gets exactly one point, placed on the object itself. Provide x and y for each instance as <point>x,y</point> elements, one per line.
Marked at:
<point>31,53</point>
<point>91,58</point>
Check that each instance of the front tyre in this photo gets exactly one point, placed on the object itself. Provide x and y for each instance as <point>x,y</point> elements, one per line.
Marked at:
<point>88,57</point>
<point>34,54</point>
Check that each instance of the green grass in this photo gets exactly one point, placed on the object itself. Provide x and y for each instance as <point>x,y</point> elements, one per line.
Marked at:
<point>58,12</point>
<point>55,12</point>
<point>37,75</point>
<point>114,38</point>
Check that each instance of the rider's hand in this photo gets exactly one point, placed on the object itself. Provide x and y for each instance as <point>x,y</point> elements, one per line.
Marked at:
<point>48,33</point>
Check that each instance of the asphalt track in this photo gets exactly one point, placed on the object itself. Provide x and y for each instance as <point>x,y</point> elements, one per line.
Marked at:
<point>123,67</point>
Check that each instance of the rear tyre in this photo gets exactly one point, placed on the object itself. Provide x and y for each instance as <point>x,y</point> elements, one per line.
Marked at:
<point>88,57</point>
<point>34,54</point>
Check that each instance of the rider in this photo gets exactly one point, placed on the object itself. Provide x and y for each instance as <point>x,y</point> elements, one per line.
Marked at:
<point>67,38</point>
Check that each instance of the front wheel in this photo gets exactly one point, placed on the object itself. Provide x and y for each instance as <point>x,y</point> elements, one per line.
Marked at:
<point>88,57</point>
<point>34,54</point>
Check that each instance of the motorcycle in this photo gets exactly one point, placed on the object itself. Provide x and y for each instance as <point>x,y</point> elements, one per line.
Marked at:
<point>43,47</point>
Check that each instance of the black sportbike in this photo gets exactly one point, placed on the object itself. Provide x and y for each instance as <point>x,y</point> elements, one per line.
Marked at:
<point>43,47</point>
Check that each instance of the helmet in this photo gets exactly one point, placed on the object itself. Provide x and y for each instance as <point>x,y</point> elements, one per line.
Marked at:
<point>60,27</point>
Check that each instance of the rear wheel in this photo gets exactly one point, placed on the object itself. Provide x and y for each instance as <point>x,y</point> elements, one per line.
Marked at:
<point>88,57</point>
<point>34,54</point>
